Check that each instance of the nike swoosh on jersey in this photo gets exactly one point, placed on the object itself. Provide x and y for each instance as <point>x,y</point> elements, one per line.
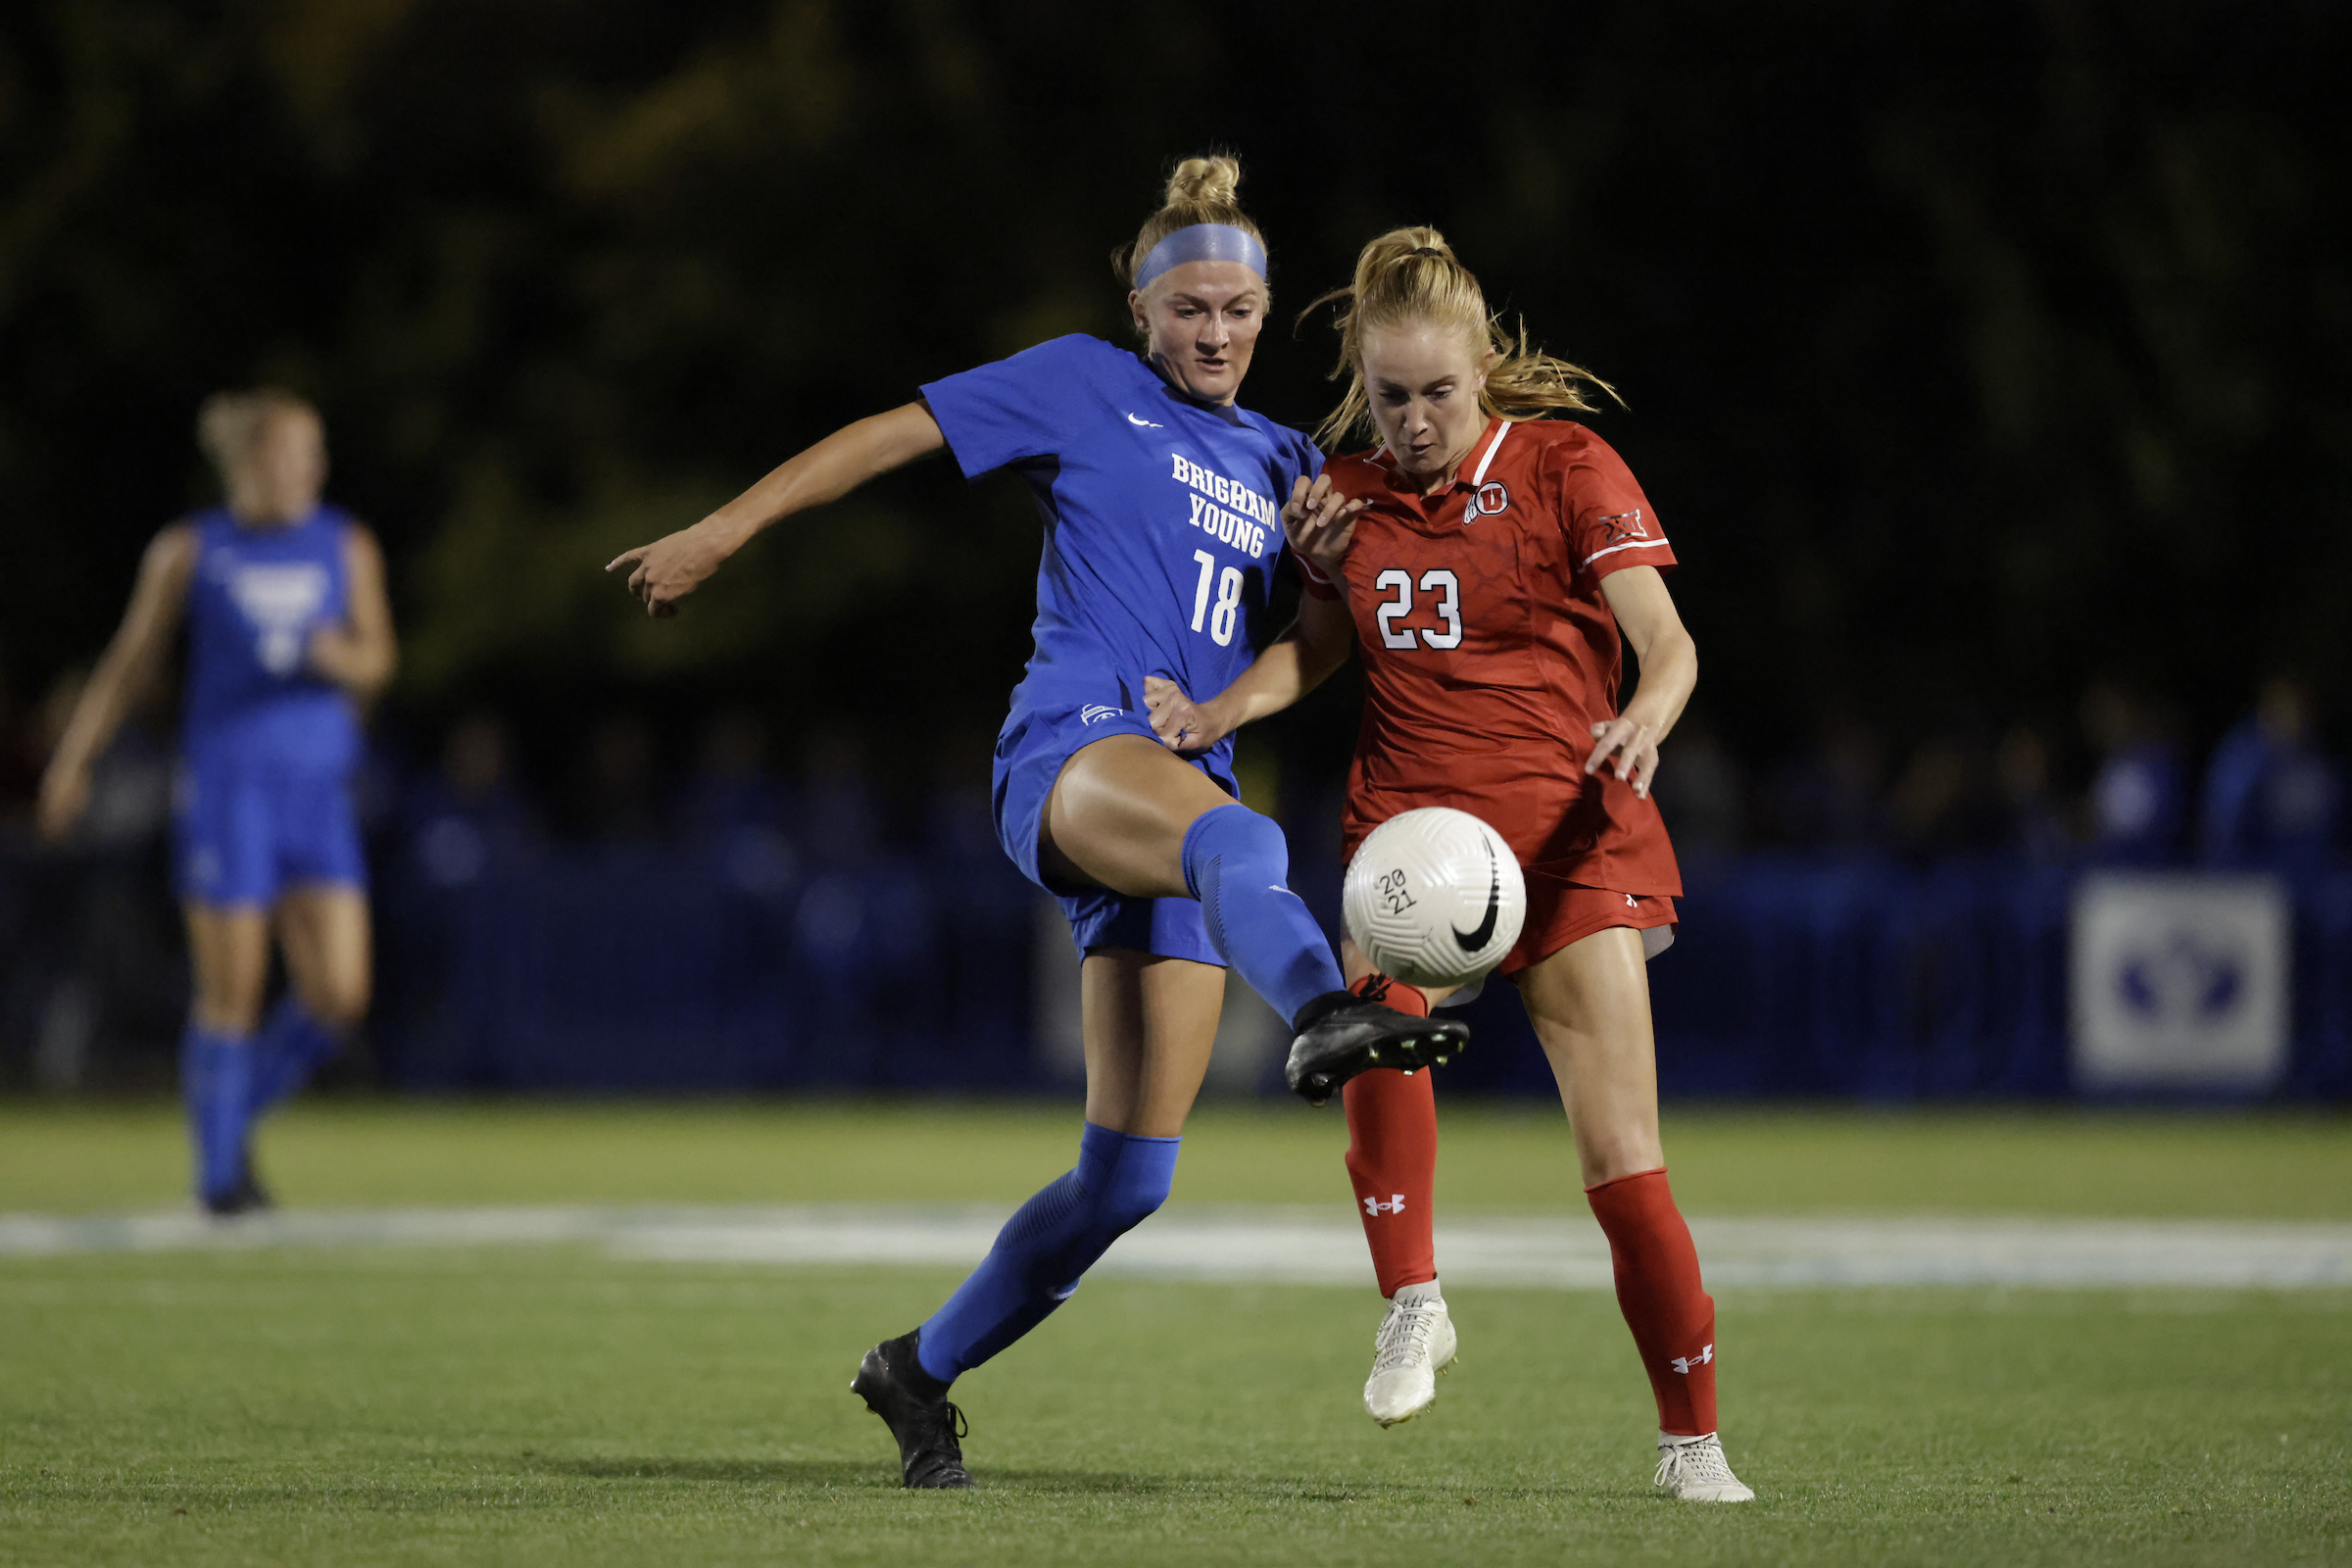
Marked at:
<point>1472,941</point>
<point>1146,423</point>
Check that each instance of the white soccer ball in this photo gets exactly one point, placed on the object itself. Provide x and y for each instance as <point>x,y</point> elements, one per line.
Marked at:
<point>1434,897</point>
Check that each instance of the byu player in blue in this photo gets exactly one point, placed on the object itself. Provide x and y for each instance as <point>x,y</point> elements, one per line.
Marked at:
<point>1162,504</point>
<point>288,631</point>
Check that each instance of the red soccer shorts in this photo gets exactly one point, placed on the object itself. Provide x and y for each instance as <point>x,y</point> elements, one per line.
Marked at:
<point>1560,913</point>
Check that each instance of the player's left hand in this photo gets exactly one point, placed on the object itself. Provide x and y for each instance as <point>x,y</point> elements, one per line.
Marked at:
<point>1632,745</point>
<point>1183,726</point>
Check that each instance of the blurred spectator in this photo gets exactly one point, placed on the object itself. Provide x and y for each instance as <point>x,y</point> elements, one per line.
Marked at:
<point>117,977</point>
<point>2139,797</point>
<point>840,820</point>
<point>20,759</point>
<point>1701,792</point>
<point>2032,823</point>
<point>617,791</point>
<point>2270,798</point>
<point>959,829</point>
<point>1943,802</point>
<point>734,807</point>
<point>1829,795</point>
<point>464,820</point>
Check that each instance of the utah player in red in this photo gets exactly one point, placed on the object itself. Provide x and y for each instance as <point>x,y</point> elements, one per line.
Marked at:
<point>1487,559</point>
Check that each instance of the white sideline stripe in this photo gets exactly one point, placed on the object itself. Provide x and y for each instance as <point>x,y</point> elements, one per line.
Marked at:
<point>1292,1246</point>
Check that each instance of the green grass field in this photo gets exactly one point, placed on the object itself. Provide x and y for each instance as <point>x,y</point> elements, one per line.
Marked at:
<point>551,1405</point>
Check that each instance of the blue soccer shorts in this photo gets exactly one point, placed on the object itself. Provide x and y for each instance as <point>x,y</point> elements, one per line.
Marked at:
<point>246,836</point>
<point>1030,753</point>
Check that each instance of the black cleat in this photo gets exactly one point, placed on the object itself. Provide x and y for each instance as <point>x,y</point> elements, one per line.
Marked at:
<point>248,1196</point>
<point>1342,1034</point>
<point>915,1407</point>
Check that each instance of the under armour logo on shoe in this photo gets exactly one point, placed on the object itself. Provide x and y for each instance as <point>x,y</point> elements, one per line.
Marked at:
<point>1375,1208</point>
<point>1684,1363</point>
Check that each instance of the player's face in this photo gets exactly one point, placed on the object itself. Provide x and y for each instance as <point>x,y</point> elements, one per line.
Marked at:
<point>283,475</point>
<point>1423,381</point>
<point>1202,320</point>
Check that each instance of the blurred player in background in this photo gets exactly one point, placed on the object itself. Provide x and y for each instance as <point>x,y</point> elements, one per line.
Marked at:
<point>1485,557</point>
<point>1160,497</point>
<point>289,632</point>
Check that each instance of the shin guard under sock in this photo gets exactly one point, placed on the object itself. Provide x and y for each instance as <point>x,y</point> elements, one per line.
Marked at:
<point>290,1048</point>
<point>215,1070</point>
<point>1673,1318</point>
<point>1238,864</point>
<point>1046,1247</point>
<point>1392,1154</point>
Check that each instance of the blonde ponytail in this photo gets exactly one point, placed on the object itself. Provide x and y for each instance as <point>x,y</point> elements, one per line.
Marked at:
<point>1411,274</point>
<point>1202,190</point>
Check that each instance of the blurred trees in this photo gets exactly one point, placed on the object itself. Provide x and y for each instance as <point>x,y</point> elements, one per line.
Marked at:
<point>1968,353</point>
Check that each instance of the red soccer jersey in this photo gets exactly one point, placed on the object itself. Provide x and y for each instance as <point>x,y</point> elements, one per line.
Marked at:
<point>1490,653</point>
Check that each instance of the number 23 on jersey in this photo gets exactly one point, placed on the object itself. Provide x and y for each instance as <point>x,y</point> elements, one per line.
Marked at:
<point>1437,582</point>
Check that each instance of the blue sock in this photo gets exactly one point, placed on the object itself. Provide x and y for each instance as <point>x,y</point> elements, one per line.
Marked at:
<point>1054,1239</point>
<point>290,1048</point>
<point>215,1074</point>
<point>1238,864</point>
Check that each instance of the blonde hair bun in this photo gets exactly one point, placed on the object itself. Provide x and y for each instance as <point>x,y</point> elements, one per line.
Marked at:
<point>1201,190</point>
<point>1211,181</point>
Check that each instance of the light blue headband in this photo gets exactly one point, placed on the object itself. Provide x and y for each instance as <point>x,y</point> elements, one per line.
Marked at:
<point>1203,242</point>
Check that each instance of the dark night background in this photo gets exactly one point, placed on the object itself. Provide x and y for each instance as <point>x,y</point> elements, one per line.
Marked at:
<point>1969,354</point>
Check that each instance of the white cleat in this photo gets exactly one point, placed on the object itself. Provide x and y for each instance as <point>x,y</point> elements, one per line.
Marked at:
<point>1415,1343</point>
<point>1694,1470</point>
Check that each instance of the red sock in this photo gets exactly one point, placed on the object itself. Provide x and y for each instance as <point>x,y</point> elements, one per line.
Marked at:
<point>1672,1317</point>
<point>1393,1153</point>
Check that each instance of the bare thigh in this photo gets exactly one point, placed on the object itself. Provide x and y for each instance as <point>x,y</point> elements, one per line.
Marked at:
<point>1118,814</point>
<point>1149,1022</point>
<point>323,931</point>
<point>228,951</point>
<point>1590,1004</point>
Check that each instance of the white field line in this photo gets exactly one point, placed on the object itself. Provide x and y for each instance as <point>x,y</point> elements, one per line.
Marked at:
<point>1293,1246</point>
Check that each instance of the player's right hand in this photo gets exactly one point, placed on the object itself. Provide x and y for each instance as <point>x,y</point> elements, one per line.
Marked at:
<point>65,795</point>
<point>672,566</point>
<point>1320,523</point>
<point>1184,726</point>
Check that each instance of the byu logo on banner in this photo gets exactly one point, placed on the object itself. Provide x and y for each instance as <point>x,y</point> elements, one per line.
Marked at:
<point>2179,982</point>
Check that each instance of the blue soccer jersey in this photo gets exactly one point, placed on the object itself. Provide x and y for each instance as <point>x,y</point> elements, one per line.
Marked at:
<point>258,594</point>
<point>1163,517</point>
<point>1162,535</point>
<point>263,801</point>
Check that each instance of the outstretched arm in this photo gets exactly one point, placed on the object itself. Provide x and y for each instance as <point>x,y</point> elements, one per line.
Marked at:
<point>360,654</point>
<point>1646,610</point>
<point>675,566</point>
<point>1294,664</point>
<point>123,672</point>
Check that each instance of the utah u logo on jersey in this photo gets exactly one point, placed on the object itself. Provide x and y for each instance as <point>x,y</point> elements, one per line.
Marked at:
<point>1487,501</point>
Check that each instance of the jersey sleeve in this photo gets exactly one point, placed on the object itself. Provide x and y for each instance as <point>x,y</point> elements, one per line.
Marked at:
<point>1609,522</point>
<point>1013,410</point>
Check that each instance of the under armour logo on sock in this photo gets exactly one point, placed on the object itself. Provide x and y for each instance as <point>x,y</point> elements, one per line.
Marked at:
<point>1375,1208</point>
<point>1684,1363</point>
